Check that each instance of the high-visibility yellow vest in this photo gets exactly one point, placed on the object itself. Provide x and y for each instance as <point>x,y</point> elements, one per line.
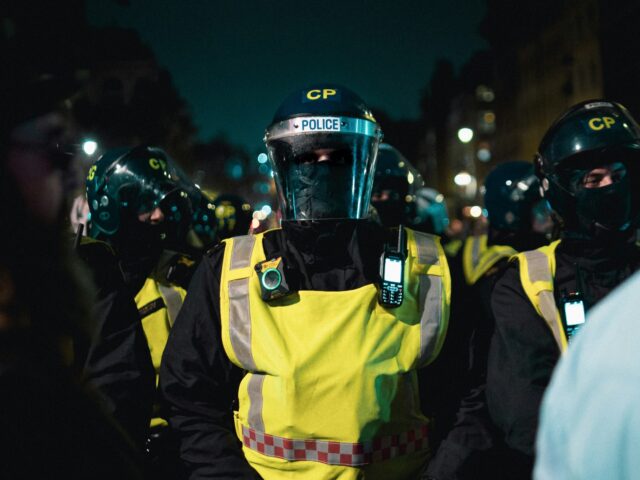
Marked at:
<point>537,271</point>
<point>452,248</point>
<point>487,259</point>
<point>158,306</point>
<point>331,389</point>
<point>473,248</point>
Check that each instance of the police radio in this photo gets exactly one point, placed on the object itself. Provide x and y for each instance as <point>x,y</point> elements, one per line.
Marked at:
<point>273,283</point>
<point>573,313</point>
<point>392,272</point>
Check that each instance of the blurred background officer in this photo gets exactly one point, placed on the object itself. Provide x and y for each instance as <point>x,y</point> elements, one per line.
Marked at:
<point>399,197</point>
<point>515,211</point>
<point>329,350</point>
<point>139,206</point>
<point>517,216</point>
<point>204,224</point>
<point>395,184</point>
<point>233,214</point>
<point>50,425</point>
<point>588,168</point>
<point>590,416</point>
<point>431,212</point>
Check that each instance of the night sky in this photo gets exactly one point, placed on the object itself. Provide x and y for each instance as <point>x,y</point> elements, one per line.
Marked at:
<point>235,60</point>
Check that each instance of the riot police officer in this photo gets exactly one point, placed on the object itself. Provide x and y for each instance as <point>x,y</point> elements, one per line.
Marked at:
<point>140,205</point>
<point>319,345</point>
<point>588,168</point>
<point>516,212</point>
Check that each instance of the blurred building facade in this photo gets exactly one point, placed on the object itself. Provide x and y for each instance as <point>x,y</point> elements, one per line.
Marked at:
<point>543,57</point>
<point>548,57</point>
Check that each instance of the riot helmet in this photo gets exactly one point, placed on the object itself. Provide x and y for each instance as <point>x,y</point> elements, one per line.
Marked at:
<point>511,193</point>
<point>395,184</point>
<point>322,145</point>
<point>233,215</point>
<point>204,222</point>
<point>431,211</point>
<point>124,186</point>
<point>590,136</point>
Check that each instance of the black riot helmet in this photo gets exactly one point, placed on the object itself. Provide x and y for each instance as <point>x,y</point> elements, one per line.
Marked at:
<point>511,195</point>
<point>125,184</point>
<point>590,135</point>
<point>395,184</point>
<point>322,144</point>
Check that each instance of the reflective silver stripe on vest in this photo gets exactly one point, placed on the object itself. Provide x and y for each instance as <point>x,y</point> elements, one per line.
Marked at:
<point>539,271</point>
<point>240,326</point>
<point>256,401</point>
<point>173,300</point>
<point>427,250</point>
<point>239,307</point>
<point>431,293</point>
<point>475,250</point>
<point>240,322</point>
<point>241,254</point>
<point>538,267</point>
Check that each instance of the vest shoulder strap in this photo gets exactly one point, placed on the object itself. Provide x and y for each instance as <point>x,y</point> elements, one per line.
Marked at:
<point>537,271</point>
<point>474,247</point>
<point>173,298</point>
<point>430,264</point>
<point>238,263</point>
<point>488,259</point>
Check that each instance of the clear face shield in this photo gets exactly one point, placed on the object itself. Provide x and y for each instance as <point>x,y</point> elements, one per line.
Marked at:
<point>323,166</point>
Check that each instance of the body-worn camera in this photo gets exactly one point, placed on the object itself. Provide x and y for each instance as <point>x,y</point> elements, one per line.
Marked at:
<point>273,282</point>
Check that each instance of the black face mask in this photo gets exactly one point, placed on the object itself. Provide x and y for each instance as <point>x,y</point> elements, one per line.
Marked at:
<point>321,190</point>
<point>391,212</point>
<point>606,208</point>
<point>139,241</point>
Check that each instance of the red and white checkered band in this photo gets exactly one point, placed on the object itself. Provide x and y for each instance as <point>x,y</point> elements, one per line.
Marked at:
<point>336,453</point>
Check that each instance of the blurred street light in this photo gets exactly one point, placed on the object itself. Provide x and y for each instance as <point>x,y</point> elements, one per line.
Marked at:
<point>463,179</point>
<point>89,147</point>
<point>465,134</point>
<point>475,211</point>
<point>266,210</point>
<point>484,154</point>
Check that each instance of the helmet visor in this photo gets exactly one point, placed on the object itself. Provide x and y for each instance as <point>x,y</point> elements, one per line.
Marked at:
<point>324,175</point>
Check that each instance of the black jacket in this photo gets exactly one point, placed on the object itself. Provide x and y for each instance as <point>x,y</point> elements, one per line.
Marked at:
<point>117,362</point>
<point>523,351</point>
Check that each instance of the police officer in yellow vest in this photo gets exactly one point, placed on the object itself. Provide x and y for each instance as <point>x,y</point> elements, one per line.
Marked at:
<point>139,205</point>
<point>517,216</point>
<point>317,328</point>
<point>588,167</point>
